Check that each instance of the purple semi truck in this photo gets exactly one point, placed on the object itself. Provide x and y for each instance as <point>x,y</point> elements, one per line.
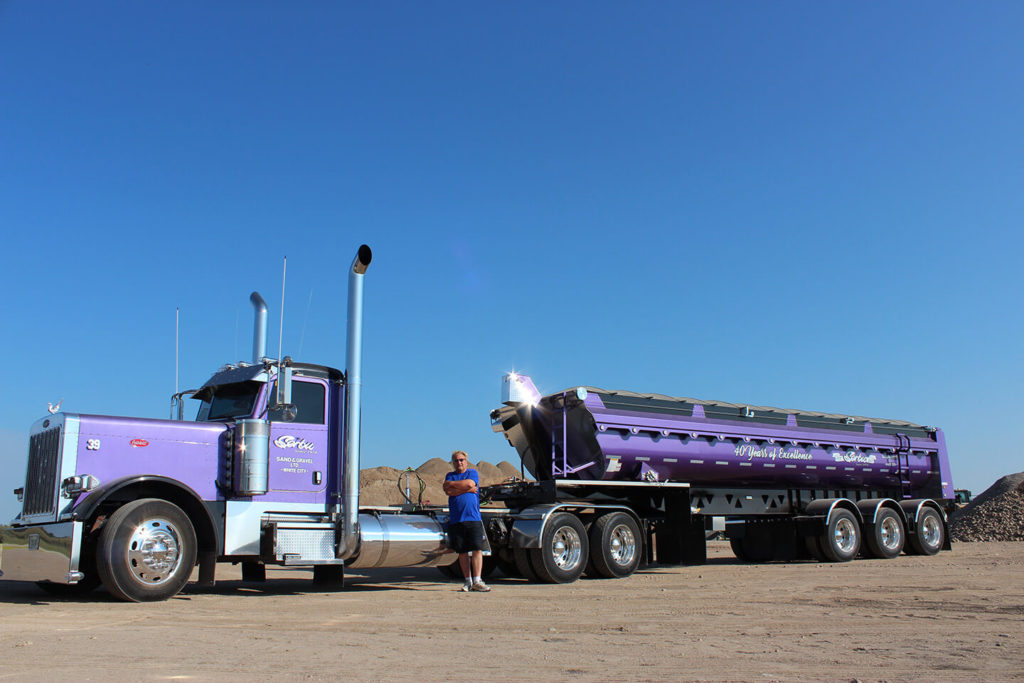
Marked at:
<point>268,474</point>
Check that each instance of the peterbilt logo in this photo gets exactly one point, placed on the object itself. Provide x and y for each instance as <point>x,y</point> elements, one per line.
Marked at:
<point>139,443</point>
<point>289,441</point>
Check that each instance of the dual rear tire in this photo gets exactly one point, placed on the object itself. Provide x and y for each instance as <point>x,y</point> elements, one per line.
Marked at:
<point>612,548</point>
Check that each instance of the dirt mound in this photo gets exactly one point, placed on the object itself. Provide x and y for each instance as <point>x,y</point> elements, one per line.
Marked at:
<point>380,485</point>
<point>995,515</point>
<point>388,474</point>
<point>435,468</point>
<point>489,474</point>
<point>509,470</point>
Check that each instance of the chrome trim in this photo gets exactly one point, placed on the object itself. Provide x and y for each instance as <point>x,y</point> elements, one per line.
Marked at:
<point>259,328</point>
<point>528,527</point>
<point>243,521</point>
<point>41,552</point>
<point>348,538</point>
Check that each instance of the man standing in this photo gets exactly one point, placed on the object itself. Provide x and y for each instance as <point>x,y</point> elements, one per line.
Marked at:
<point>465,527</point>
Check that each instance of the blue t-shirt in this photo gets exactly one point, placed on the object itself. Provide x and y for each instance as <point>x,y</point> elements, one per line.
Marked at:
<point>464,507</point>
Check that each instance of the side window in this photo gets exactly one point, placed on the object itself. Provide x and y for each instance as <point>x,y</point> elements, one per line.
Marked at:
<point>308,399</point>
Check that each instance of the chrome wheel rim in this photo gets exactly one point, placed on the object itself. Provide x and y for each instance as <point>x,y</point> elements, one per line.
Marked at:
<point>892,535</point>
<point>154,551</point>
<point>931,531</point>
<point>845,535</point>
<point>622,545</point>
<point>566,548</point>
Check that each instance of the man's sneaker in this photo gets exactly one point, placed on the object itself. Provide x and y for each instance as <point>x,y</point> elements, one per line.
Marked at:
<point>481,587</point>
<point>465,588</point>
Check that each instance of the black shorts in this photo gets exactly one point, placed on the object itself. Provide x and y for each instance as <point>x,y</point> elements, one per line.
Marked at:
<point>464,537</point>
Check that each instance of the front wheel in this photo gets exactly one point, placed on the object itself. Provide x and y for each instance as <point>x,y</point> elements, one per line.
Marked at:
<point>147,550</point>
<point>564,550</point>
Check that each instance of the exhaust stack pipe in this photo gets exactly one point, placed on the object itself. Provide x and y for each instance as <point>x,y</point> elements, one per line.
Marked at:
<point>259,332</point>
<point>348,542</point>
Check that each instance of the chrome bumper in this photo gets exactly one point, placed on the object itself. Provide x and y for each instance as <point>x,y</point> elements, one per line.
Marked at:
<point>43,552</point>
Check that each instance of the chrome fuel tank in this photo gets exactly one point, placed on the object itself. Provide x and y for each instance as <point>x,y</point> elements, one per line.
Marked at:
<point>400,540</point>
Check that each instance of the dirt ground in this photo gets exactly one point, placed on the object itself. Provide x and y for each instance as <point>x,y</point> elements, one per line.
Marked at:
<point>957,616</point>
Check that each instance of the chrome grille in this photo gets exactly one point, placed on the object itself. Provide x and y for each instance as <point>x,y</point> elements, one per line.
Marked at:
<point>43,466</point>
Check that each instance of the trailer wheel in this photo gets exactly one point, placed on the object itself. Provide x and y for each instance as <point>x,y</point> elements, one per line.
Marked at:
<point>886,539</point>
<point>754,546</point>
<point>841,541</point>
<point>147,550</point>
<point>615,545</point>
<point>564,550</point>
<point>813,545</point>
<point>931,533</point>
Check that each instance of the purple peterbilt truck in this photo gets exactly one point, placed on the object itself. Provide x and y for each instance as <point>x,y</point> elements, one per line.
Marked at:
<point>268,474</point>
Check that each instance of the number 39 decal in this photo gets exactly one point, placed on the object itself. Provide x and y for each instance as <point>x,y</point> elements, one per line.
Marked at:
<point>92,445</point>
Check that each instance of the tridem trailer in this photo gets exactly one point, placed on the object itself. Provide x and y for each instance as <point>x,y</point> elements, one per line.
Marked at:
<point>268,474</point>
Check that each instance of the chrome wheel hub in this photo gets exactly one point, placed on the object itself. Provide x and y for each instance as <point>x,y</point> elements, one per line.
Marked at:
<point>891,535</point>
<point>622,546</point>
<point>846,535</point>
<point>154,551</point>
<point>566,548</point>
<point>931,532</point>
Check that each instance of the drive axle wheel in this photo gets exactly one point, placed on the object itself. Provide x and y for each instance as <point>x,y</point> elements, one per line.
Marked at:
<point>615,545</point>
<point>564,550</point>
<point>147,550</point>
<point>887,537</point>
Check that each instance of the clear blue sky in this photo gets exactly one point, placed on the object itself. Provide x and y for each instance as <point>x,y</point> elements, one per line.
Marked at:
<point>812,205</point>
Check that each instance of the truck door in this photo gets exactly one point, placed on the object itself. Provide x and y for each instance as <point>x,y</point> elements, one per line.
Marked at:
<point>298,449</point>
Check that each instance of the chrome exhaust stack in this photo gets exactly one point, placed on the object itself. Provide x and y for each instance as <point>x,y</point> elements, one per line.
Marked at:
<point>348,538</point>
<point>259,331</point>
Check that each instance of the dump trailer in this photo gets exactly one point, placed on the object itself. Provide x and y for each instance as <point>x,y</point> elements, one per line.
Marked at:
<point>623,478</point>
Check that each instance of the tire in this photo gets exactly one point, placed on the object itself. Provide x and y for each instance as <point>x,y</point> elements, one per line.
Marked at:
<point>523,565</point>
<point>886,537</point>
<point>564,550</point>
<point>454,571</point>
<point>842,538</point>
<point>754,546</point>
<point>615,545</point>
<point>146,551</point>
<point>451,571</point>
<point>737,549</point>
<point>930,534</point>
<point>813,546</point>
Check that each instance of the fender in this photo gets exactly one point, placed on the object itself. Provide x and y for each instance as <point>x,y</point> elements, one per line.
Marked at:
<point>528,527</point>
<point>824,507</point>
<point>869,508</point>
<point>209,535</point>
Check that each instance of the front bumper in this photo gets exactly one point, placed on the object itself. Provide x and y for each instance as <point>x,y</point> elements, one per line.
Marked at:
<point>41,552</point>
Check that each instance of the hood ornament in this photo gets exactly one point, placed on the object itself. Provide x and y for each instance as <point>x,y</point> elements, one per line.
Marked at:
<point>54,409</point>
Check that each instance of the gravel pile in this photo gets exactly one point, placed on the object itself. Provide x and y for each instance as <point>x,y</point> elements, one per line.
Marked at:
<point>379,485</point>
<point>995,515</point>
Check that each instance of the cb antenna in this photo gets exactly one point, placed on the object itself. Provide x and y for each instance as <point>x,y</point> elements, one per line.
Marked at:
<point>177,317</point>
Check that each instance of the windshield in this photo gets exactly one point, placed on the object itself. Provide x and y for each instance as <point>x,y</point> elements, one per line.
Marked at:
<point>229,401</point>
